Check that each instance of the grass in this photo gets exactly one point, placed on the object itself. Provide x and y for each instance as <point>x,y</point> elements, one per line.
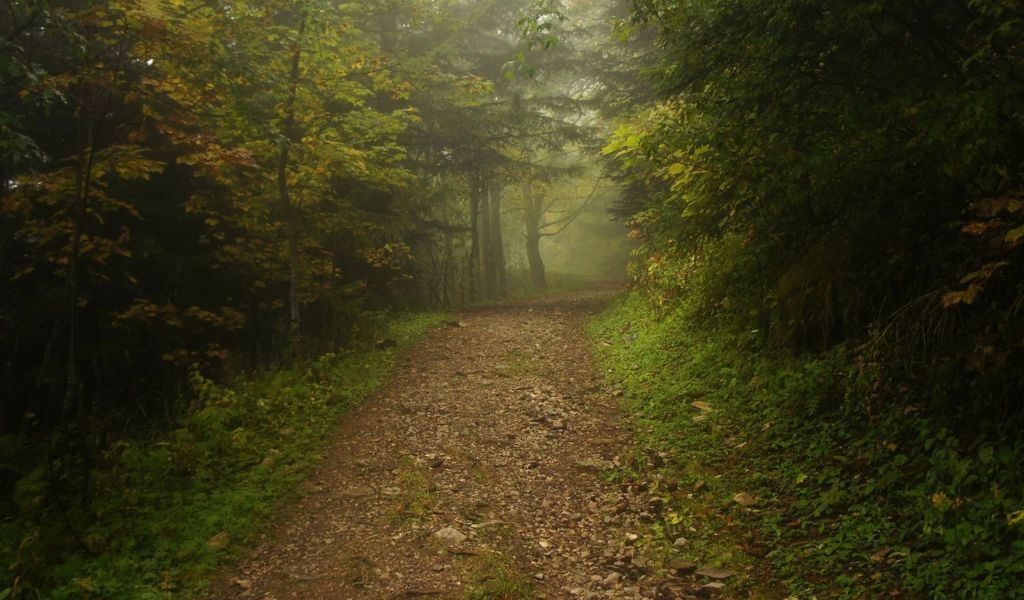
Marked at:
<point>168,508</point>
<point>856,497</point>
<point>497,578</point>
<point>417,493</point>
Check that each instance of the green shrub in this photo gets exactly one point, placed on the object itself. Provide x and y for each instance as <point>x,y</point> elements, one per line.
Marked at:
<point>869,484</point>
<point>168,507</point>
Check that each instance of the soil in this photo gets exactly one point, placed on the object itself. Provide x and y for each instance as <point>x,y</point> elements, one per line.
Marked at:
<point>496,427</point>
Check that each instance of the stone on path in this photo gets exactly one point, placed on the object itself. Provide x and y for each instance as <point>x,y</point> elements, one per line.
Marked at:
<point>710,590</point>
<point>450,535</point>
<point>682,565</point>
<point>714,573</point>
<point>594,465</point>
<point>356,492</point>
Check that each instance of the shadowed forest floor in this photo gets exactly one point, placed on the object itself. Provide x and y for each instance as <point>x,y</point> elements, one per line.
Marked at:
<point>496,429</point>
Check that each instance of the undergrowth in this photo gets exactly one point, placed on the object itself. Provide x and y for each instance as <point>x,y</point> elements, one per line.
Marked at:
<point>867,483</point>
<point>168,507</point>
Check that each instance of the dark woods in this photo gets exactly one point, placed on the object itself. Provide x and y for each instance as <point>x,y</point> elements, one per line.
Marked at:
<point>228,188</point>
<point>232,186</point>
<point>839,185</point>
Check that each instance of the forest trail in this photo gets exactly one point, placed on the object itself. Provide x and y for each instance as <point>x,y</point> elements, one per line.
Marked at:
<point>495,429</point>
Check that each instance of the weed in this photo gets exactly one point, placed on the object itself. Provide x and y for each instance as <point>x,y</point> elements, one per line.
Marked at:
<point>417,496</point>
<point>498,579</point>
<point>356,571</point>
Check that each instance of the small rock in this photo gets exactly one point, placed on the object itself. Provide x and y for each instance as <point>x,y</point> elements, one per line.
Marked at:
<point>700,486</point>
<point>682,565</point>
<point>450,535</point>
<point>612,579</point>
<point>709,590</point>
<point>681,543</point>
<point>309,487</point>
<point>744,499</point>
<point>714,573</point>
<point>436,463</point>
<point>631,590</point>
<point>391,492</point>
<point>538,575</point>
<point>558,424</point>
<point>218,541</point>
<point>594,465</point>
<point>243,583</point>
<point>356,492</point>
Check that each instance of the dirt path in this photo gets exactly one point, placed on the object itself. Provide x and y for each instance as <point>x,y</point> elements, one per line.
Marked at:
<point>494,429</point>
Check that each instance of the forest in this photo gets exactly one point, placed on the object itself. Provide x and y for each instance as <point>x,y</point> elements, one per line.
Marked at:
<point>226,224</point>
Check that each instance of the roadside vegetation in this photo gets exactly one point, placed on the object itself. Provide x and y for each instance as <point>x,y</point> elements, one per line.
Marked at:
<point>828,311</point>
<point>856,494</point>
<point>171,505</point>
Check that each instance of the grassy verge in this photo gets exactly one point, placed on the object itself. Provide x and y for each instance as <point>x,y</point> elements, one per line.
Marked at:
<point>168,508</point>
<point>856,494</point>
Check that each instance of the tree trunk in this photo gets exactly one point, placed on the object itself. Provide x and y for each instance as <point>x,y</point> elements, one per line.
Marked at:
<point>291,211</point>
<point>474,248</point>
<point>490,266</point>
<point>531,219</point>
<point>79,208</point>
<point>498,243</point>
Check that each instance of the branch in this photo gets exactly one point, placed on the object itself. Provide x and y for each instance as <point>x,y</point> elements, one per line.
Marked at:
<point>569,219</point>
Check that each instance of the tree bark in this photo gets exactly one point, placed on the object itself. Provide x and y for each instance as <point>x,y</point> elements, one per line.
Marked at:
<point>79,208</point>
<point>490,267</point>
<point>291,211</point>
<point>474,248</point>
<point>498,243</point>
<point>532,214</point>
